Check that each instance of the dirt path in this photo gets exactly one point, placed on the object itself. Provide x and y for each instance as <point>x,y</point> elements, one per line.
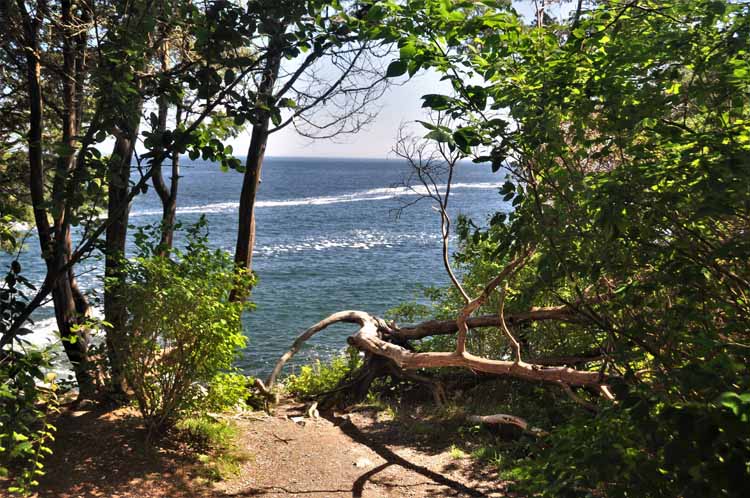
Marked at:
<point>353,455</point>
<point>350,456</point>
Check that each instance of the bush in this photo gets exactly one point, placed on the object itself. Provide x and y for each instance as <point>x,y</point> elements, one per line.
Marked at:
<point>183,330</point>
<point>27,398</point>
<point>319,378</point>
<point>228,390</point>
<point>646,448</point>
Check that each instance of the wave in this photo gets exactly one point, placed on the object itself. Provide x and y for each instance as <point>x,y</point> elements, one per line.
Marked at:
<point>376,194</point>
<point>45,332</point>
<point>19,226</point>
<point>361,240</point>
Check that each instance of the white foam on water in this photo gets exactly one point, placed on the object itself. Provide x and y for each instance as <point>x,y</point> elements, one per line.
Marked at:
<point>44,335</point>
<point>359,239</point>
<point>19,226</point>
<point>376,194</point>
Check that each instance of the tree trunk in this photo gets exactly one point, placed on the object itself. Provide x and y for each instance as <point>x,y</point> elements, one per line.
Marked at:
<point>118,181</point>
<point>55,241</point>
<point>246,230</point>
<point>167,195</point>
<point>170,210</point>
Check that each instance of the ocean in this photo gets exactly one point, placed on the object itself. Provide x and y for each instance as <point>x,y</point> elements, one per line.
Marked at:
<point>332,234</point>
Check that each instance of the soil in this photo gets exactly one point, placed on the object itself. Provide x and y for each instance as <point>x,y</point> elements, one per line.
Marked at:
<point>288,454</point>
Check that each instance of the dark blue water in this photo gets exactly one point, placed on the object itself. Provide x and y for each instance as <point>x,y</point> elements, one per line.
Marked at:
<point>328,239</point>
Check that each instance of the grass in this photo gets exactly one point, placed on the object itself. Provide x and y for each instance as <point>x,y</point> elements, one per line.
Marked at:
<point>457,453</point>
<point>490,455</point>
<point>215,443</point>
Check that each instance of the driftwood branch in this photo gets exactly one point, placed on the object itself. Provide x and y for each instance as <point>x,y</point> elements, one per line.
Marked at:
<point>502,418</point>
<point>448,327</point>
<point>341,316</point>
<point>506,330</point>
<point>369,338</point>
<point>572,395</point>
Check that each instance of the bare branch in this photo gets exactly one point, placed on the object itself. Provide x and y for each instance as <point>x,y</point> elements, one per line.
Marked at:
<point>368,338</point>
<point>476,303</point>
<point>502,418</point>
<point>506,330</point>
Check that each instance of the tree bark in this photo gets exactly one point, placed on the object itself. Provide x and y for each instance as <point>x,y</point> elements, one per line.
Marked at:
<point>259,139</point>
<point>55,240</point>
<point>167,194</point>
<point>115,307</point>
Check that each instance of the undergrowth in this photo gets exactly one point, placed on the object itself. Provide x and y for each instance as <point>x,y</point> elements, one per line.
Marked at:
<point>318,378</point>
<point>215,446</point>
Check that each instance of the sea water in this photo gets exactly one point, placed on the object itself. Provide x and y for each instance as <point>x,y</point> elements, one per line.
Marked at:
<point>332,234</point>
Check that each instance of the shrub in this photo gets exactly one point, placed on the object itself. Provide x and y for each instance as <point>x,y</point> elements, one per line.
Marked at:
<point>183,329</point>
<point>228,390</point>
<point>319,378</point>
<point>27,398</point>
<point>646,448</point>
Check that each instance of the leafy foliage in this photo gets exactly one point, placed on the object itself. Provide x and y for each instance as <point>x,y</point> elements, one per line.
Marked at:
<point>229,390</point>
<point>646,449</point>
<point>27,398</point>
<point>183,330</point>
<point>319,378</point>
<point>13,207</point>
<point>27,395</point>
<point>623,133</point>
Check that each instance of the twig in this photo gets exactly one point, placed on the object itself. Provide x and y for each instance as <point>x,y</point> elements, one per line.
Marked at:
<point>501,315</point>
<point>572,395</point>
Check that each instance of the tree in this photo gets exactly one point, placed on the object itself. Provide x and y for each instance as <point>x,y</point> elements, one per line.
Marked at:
<point>106,53</point>
<point>623,136</point>
<point>25,43</point>
<point>327,88</point>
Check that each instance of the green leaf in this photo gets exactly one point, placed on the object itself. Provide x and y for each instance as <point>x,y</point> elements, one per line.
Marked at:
<point>437,102</point>
<point>407,51</point>
<point>395,69</point>
<point>440,135</point>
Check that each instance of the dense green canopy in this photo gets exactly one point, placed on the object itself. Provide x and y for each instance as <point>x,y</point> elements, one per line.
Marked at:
<point>624,133</point>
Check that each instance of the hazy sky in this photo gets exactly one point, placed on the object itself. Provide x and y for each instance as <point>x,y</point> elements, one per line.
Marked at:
<point>400,104</point>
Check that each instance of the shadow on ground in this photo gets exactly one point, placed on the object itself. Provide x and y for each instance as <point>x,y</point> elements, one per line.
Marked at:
<point>392,458</point>
<point>102,453</point>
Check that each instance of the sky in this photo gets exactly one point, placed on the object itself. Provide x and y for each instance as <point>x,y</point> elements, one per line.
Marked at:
<point>401,103</point>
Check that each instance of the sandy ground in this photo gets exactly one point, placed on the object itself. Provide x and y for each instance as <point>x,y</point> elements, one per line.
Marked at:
<point>104,454</point>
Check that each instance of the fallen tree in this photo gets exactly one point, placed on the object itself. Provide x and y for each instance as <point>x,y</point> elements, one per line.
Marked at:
<point>377,337</point>
<point>387,347</point>
<point>389,353</point>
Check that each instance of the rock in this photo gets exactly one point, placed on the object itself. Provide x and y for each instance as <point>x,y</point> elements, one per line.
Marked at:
<point>298,420</point>
<point>362,463</point>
